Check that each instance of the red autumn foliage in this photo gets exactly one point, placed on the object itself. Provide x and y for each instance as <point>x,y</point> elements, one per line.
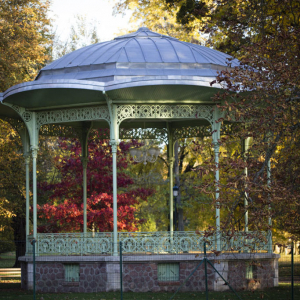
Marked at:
<point>64,211</point>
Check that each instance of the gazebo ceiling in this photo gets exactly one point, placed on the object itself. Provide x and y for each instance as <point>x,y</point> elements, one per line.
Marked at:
<point>141,67</point>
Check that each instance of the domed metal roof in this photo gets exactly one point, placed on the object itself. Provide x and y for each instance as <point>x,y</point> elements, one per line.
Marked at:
<point>140,67</point>
<point>140,54</point>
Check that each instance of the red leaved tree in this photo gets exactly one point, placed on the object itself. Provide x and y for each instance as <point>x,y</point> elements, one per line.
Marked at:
<point>64,211</point>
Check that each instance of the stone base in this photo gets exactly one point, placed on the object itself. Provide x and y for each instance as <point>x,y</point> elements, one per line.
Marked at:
<point>140,273</point>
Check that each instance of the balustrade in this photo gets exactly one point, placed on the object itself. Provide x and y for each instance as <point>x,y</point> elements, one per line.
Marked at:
<point>161,242</point>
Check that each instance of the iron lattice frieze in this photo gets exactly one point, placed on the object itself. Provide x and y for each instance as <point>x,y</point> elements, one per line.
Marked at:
<point>58,130</point>
<point>192,132</point>
<point>145,242</point>
<point>73,115</point>
<point>164,112</point>
<point>160,134</point>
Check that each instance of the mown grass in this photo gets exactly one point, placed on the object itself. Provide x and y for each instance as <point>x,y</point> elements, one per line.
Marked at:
<point>283,292</point>
<point>285,266</point>
<point>7,259</point>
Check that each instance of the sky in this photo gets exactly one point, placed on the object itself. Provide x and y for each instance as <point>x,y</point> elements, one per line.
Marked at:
<point>63,13</point>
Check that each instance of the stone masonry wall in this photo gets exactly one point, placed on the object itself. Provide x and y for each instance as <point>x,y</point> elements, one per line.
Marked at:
<point>24,279</point>
<point>140,273</point>
<point>50,277</point>
<point>143,277</point>
<point>263,274</point>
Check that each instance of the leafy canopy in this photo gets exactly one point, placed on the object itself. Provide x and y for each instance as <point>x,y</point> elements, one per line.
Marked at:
<point>24,40</point>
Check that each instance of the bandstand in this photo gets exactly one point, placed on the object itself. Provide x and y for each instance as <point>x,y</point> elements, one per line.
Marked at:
<point>139,80</point>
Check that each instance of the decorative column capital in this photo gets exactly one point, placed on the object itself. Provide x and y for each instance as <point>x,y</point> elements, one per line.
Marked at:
<point>34,151</point>
<point>114,145</point>
<point>27,159</point>
<point>216,146</point>
<point>84,161</point>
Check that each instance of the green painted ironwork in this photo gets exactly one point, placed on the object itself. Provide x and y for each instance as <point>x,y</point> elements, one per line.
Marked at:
<point>159,111</point>
<point>245,242</point>
<point>159,134</point>
<point>249,271</point>
<point>168,272</point>
<point>74,243</point>
<point>113,115</point>
<point>71,272</point>
<point>161,242</point>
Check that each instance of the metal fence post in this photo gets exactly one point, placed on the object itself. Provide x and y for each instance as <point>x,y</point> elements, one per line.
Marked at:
<point>292,258</point>
<point>205,265</point>
<point>33,251</point>
<point>121,271</point>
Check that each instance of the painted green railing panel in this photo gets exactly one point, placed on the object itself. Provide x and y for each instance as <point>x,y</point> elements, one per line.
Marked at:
<point>74,243</point>
<point>245,242</point>
<point>161,242</point>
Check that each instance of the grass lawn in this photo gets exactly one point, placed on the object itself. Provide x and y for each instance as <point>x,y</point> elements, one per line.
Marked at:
<point>283,292</point>
<point>7,260</point>
<point>284,265</point>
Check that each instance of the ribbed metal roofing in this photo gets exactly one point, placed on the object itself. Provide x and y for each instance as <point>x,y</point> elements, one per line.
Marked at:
<point>140,54</point>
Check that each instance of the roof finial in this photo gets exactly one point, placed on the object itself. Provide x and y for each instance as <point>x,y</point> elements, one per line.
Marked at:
<point>143,29</point>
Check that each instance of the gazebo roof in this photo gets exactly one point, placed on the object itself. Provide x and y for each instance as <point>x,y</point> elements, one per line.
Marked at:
<point>141,67</point>
<point>140,54</point>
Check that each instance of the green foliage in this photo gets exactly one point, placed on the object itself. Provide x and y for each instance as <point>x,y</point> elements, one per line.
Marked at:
<point>154,15</point>
<point>231,25</point>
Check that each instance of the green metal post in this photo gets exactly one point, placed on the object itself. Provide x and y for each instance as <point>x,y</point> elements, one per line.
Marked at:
<point>171,168</point>
<point>226,282</point>
<point>270,219</point>
<point>217,178</point>
<point>34,151</point>
<point>114,146</point>
<point>216,126</point>
<point>121,271</point>
<point>205,266</point>
<point>114,141</point>
<point>33,251</point>
<point>171,164</point>
<point>245,150</point>
<point>27,161</point>
<point>292,258</point>
<point>84,161</point>
<point>185,281</point>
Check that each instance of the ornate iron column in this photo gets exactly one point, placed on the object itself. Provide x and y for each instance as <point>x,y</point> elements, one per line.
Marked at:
<point>83,133</point>
<point>84,161</point>
<point>114,149</point>
<point>245,145</point>
<point>27,162</point>
<point>34,151</point>
<point>216,127</point>
<point>114,142</point>
<point>171,168</point>
<point>270,219</point>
